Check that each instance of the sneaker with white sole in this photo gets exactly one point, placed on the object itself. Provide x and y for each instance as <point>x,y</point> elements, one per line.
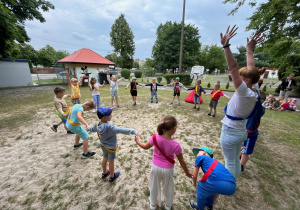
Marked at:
<point>193,205</point>
<point>54,128</point>
<point>76,146</point>
<point>87,155</point>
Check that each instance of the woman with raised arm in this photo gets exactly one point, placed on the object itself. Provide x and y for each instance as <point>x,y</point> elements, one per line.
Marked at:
<point>243,102</point>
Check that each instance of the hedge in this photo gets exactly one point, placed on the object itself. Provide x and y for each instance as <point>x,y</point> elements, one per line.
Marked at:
<point>138,74</point>
<point>159,79</point>
<point>125,73</point>
<point>185,79</point>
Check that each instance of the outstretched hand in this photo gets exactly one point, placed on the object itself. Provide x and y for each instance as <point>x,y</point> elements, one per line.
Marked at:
<point>228,35</point>
<point>256,39</point>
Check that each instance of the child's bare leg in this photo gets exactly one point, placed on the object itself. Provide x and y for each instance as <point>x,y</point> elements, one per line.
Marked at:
<point>215,111</point>
<point>194,105</point>
<point>199,105</point>
<point>112,102</point>
<point>111,164</point>
<point>210,109</point>
<point>77,138</point>
<point>85,145</point>
<point>66,128</point>
<point>59,123</point>
<point>244,159</point>
<point>104,164</point>
<point>134,99</point>
<point>173,99</point>
<point>178,99</point>
<point>117,101</point>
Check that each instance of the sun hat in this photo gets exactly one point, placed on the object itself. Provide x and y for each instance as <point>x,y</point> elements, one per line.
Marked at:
<point>206,149</point>
<point>133,78</point>
<point>104,111</point>
<point>177,78</point>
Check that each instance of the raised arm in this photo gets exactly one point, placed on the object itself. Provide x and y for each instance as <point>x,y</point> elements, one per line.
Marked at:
<point>231,61</point>
<point>108,77</point>
<point>68,77</point>
<point>257,38</point>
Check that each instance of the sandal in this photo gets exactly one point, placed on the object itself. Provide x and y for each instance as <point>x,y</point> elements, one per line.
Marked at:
<point>111,179</point>
<point>118,106</point>
<point>105,175</point>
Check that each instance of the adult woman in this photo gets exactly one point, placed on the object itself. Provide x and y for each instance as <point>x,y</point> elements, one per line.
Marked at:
<point>242,102</point>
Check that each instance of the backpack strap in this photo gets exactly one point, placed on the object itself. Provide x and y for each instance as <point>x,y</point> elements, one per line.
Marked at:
<point>156,145</point>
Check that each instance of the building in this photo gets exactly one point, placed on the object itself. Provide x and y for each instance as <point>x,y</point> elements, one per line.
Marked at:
<point>86,58</point>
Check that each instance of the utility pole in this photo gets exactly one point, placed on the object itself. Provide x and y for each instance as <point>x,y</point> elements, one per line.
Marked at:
<point>181,42</point>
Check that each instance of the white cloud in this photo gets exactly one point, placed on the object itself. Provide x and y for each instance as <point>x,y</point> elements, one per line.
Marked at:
<point>80,37</point>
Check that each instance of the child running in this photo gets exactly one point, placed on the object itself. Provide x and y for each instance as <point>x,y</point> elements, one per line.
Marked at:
<point>74,87</point>
<point>216,94</point>
<point>162,170</point>
<point>74,122</point>
<point>94,87</point>
<point>153,89</point>
<point>216,180</point>
<point>198,89</point>
<point>133,90</point>
<point>114,89</point>
<point>62,108</point>
<point>108,140</point>
<point>177,88</point>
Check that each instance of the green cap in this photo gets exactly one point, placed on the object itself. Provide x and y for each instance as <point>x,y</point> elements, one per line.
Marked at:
<point>178,78</point>
<point>206,149</point>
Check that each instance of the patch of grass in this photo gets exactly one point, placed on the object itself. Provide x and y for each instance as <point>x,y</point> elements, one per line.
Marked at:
<point>147,192</point>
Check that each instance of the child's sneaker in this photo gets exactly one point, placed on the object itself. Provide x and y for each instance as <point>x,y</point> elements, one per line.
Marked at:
<point>213,115</point>
<point>116,175</point>
<point>171,103</point>
<point>208,114</point>
<point>194,107</point>
<point>179,104</point>
<point>151,101</point>
<point>198,108</point>
<point>70,132</point>
<point>105,175</point>
<point>193,205</point>
<point>208,208</point>
<point>87,155</point>
<point>76,146</point>
<point>242,168</point>
<point>94,110</point>
<point>157,102</point>
<point>54,128</point>
<point>118,106</point>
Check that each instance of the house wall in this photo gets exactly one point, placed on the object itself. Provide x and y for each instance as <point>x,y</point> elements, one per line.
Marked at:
<point>14,74</point>
<point>91,69</point>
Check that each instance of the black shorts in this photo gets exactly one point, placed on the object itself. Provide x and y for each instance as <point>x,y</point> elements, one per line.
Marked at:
<point>176,94</point>
<point>133,93</point>
<point>213,104</point>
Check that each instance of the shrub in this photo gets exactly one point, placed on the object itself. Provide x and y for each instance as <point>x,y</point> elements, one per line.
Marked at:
<point>297,90</point>
<point>147,80</point>
<point>142,79</point>
<point>208,85</point>
<point>229,77</point>
<point>138,74</point>
<point>125,73</point>
<point>264,88</point>
<point>227,86</point>
<point>159,79</point>
<point>218,82</point>
<point>185,79</point>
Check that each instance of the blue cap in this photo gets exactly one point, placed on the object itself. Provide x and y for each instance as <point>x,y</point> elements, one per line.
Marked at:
<point>206,149</point>
<point>104,111</point>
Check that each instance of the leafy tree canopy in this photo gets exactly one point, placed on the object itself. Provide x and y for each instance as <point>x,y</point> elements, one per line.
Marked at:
<point>212,57</point>
<point>121,38</point>
<point>46,56</point>
<point>13,14</point>
<point>166,49</point>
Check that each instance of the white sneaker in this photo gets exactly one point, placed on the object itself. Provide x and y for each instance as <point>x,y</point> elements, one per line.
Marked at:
<point>94,110</point>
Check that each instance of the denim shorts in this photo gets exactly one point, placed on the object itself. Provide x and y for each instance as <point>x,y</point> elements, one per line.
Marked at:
<point>196,99</point>
<point>114,94</point>
<point>110,155</point>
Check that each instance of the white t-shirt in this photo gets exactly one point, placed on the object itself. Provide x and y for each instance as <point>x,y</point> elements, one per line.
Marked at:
<point>240,105</point>
<point>95,92</point>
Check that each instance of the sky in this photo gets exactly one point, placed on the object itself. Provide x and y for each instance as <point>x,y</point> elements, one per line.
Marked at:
<point>77,24</point>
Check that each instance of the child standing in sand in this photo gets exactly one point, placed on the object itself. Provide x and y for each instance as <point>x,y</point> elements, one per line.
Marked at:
<point>74,88</point>
<point>133,90</point>
<point>162,170</point>
<point>216,94</point>
<point>62,108</point>
<point>114,88</point>
<point>108,140</point>
<point>94,87</point>
<point>177,88</point>
<point>153,89</point>
<point>198,89</point>
<point>74,122</point>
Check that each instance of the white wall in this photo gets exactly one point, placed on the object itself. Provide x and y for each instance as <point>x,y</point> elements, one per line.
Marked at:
<point>15,74</point>
<point>91,69</point>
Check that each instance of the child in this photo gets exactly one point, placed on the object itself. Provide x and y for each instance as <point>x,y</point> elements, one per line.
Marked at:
<point>74,122</point>
<point>153,89</point>
<point>108,140</point>
<point>94,87</point>
<point>62,108</point>
<point>268,104</point>
<point>133,90</point>
<point>276,104</point>
<point>114,89</point>
<point>177,88</point>
<point>216,179</point>
<point>293,106</point>
<point>285,106</point>
<point>216,94</point>
<point>74,87</point>
<point>162,169</point>
<point>198,89</point>
<point>281,99</point>
<point>271,96</point>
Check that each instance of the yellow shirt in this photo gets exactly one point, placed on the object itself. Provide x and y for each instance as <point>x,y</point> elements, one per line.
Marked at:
<point>75,92</point>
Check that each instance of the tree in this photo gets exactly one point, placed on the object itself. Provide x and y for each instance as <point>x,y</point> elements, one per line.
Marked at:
<point>121,38</point>
<point>148,63</point>
<point>46,56</point>
<point>136,64</point>
<point>165,51</point>
<point>241,57</point>
<point>212,57</point>
<point>113,57</point>
<point>13,15</point>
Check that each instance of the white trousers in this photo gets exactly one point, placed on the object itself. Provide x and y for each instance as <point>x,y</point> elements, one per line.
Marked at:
<point>161,186</point>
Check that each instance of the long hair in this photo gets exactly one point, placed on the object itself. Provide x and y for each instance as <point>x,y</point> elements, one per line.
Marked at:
<point>168,122</point>
<point>252,73</point>
<point>92,82</point>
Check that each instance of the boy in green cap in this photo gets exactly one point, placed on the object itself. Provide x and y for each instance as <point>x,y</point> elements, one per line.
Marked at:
<point>216,179</point>
<point>177,88</point>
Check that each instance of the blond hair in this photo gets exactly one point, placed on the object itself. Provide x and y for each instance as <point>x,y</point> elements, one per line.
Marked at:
<point>217,85</point>
<point>90,104</point>
<point>167,123</point>
<point>73,80</point>
<point>252,73</point>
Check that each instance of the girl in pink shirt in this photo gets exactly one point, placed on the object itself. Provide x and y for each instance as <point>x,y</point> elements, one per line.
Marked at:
<point>162,170</point>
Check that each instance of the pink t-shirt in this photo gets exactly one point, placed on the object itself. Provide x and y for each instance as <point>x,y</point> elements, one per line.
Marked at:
<point>169,147</point>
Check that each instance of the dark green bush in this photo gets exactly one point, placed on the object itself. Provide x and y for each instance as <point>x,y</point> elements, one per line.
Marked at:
<point>264,88</point>
<point>159,79</point>
<point>297,90</point>
<point>208,85</point>
<point>229,77</point>
<point>185,79</point>
<point>138,74</point>
<point>218,82</point>
<point>277,90</point>
<point>227,85</point>
<point>125,73</point>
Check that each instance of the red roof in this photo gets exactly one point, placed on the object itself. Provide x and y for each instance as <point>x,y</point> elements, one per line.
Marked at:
<point>85,56</point>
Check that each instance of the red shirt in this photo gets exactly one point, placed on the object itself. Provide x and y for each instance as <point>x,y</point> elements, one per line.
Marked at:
<point>217,95</point>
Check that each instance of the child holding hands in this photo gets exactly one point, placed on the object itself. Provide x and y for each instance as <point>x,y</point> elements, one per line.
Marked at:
<point>198,89</point>
<point>153,89</point>
<point>177,88</point>
<point>133,90</point>
<point>94,87</point>
<point>108,140</point>
<point>162,170</point>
